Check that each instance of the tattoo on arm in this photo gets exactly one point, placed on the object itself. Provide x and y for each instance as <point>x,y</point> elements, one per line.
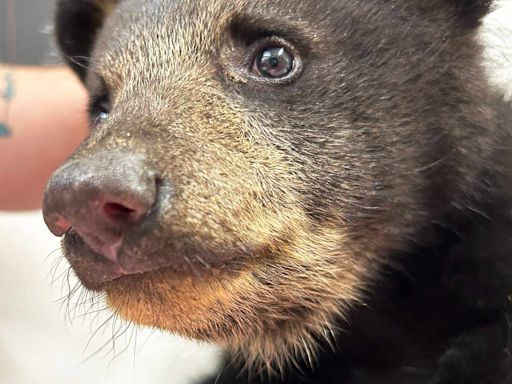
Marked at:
<point>6,96</point>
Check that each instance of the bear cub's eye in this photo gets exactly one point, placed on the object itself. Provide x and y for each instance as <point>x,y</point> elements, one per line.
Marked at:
<point>273,62</point>
<point>100,109</point>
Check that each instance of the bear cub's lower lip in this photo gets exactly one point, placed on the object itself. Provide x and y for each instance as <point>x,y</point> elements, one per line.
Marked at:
<point>92,268</point>
<point>95,270</point>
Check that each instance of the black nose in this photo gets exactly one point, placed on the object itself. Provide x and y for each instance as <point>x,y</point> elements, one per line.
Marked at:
<point>101,198</point>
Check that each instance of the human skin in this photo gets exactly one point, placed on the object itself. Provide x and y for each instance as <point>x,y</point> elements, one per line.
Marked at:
<point>46,120</point>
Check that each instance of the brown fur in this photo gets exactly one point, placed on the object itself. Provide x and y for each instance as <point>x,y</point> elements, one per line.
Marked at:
<point>271,310</point>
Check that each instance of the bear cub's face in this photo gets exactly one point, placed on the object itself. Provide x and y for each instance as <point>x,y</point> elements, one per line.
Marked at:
<point>252,164</point>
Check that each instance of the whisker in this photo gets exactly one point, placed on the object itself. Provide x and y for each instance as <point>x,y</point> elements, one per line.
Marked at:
<point>102,325</point>
<point>204,263</point>
<point>117,336</point>
<point>74,60</point>
<point>50,254</point>
<point>193,268</point>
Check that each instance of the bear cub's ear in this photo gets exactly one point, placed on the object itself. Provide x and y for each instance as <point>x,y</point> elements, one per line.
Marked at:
<point>76,25</point>
<point>473,10</point>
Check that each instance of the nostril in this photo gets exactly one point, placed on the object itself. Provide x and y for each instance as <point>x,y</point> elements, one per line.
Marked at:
<point>118,212</point>
<point>60,226</point>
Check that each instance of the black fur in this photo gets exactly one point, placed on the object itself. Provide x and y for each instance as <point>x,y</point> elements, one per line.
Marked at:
<point>77,24</point>
<point>473,10</point>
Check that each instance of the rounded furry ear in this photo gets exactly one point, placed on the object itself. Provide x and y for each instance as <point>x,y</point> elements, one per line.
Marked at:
<point>77,24</point>
<point>473,10</point>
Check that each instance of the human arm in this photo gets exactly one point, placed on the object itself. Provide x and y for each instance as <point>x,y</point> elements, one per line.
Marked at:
<point>46,120</point>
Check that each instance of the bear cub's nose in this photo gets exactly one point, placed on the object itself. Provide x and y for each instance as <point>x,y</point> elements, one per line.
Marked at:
<point>101,198</point>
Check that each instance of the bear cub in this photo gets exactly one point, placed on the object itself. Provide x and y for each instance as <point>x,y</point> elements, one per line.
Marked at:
<point>323,188</point>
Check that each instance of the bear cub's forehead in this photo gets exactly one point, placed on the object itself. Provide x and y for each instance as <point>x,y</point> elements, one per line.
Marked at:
<point>149,36</point>
<point>201,21</point>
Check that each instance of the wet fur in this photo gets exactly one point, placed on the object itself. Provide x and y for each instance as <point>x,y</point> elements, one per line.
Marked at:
<point>362,209</point>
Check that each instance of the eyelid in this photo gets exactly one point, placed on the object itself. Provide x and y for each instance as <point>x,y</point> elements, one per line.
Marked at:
<point>96,102</point>
<point>249,29</point>
<point>99,94</point>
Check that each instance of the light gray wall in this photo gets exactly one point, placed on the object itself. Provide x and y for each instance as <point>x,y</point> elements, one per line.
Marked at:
<point>33,35</point>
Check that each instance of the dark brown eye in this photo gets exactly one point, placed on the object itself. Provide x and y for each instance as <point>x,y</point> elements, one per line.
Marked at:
<point>100,110</point>
<point>273,63</point>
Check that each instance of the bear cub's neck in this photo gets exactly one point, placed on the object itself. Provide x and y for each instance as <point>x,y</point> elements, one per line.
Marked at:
<point>444,314</point>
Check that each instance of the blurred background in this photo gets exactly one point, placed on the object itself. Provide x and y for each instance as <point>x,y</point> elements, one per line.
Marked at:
<point>52,332</point>
<point>25,31</point>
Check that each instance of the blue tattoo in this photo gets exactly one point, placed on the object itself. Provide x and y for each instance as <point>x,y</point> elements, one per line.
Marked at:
<point>4,130</point>
<point>9,89</point>
<point>7,96</point>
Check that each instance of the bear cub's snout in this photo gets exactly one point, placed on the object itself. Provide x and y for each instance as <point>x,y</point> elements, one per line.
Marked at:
<point>101,198</point>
